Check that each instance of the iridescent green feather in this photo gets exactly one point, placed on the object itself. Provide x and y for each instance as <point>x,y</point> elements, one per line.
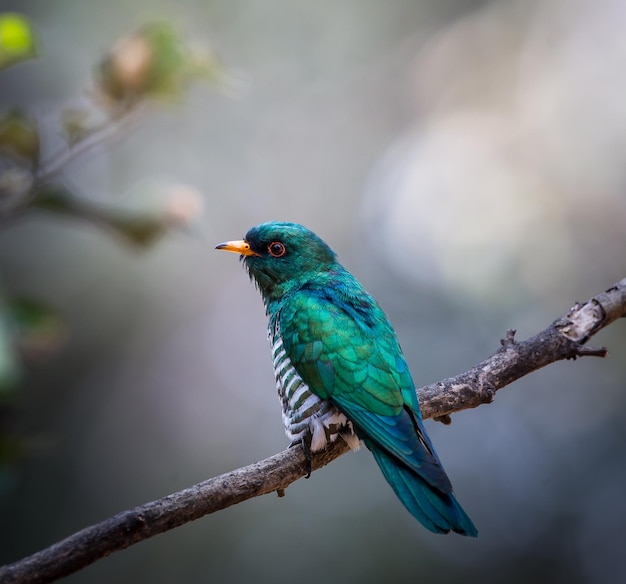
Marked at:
<point>376,403</point>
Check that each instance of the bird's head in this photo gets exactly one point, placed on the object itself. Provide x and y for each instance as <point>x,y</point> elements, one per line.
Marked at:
<point>282,256</point>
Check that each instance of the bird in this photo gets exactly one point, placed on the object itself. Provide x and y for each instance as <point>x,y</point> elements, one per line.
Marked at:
<point>339,368</point>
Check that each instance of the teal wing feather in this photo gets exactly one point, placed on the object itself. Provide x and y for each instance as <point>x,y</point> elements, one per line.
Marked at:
<point>344,348</point>
<point>342,345</point>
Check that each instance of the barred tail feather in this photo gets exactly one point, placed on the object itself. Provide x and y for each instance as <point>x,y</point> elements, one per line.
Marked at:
<point>437,511</point>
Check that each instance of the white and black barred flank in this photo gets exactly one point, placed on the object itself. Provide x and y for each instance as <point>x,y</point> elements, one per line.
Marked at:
<point>305,415</point>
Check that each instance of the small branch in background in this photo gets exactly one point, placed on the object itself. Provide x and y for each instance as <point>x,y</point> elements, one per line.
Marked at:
<point>563,339</point>
<point>27,192</point>
<point>152,64</point>
<point>105,132</point>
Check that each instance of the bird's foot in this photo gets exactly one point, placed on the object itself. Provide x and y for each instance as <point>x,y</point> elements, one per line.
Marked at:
<point>306,448</point>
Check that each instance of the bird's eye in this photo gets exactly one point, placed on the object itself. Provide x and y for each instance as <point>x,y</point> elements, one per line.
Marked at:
<point>276,249</point>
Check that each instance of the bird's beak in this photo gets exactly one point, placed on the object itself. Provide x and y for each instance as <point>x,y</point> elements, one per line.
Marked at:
<point>241,246</point>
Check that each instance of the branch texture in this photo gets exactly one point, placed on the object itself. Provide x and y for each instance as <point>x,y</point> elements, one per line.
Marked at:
<point>565,338</point>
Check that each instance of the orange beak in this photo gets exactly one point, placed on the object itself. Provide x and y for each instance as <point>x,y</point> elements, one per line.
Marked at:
<point>240,246</point>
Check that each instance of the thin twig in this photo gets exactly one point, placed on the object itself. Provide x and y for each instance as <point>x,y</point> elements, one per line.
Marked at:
<point>563,339</point>
<point>110,129</point>
<point>113,128</point>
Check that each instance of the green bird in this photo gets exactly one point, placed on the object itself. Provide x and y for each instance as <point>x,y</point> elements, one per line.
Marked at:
<point>340,371</point>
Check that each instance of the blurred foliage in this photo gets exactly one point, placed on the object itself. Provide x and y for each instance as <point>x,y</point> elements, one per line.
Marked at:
<point>9,365</point>
<point>38,331</point>
<point>29,333</point>
<point>16,40</point>
<point>19,138</point>
<point>140,230</point>
<point>153,63</point>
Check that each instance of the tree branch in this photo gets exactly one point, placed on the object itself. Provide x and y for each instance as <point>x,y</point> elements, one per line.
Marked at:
<point>565,338</point>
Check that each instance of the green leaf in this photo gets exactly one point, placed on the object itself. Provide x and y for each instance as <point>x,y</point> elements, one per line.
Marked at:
<point>169,62</point>
<point>19,137</point>
<point>154,61</point>
<point>29,331</point>
<point>16,40</point>
<point>39,332</point>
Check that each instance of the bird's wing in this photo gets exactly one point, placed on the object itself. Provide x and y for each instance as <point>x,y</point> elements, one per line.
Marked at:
<point>355,362</point>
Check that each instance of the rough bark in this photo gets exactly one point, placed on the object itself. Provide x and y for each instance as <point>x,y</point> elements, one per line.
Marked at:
<point>565,338</point>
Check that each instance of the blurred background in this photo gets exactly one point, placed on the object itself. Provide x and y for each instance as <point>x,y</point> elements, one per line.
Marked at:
<point>466,159</point>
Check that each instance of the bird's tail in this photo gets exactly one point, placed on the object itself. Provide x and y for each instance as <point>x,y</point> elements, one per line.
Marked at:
<point>437,511</point>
